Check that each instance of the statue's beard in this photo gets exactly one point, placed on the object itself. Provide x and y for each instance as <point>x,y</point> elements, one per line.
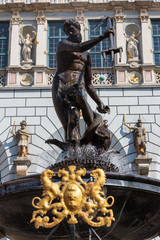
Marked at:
<point>75,38</point>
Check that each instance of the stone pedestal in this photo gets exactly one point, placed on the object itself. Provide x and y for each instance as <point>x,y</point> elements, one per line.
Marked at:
<point>27,62</point>
<point>132,60</point>
<point>143,163</point>
<point>22,164</point>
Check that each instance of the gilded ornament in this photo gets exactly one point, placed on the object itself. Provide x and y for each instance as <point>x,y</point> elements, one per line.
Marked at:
<point>26,79</point>
<point>72,196</point>
<point>134,77</point>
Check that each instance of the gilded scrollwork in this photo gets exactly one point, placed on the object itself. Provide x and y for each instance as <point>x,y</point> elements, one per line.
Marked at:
<point>72,196</point>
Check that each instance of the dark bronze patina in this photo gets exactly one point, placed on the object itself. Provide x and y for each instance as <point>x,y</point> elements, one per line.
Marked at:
<point>72,78</point>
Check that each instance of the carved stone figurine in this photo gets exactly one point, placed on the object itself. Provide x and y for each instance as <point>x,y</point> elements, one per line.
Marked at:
<point>23,140</point>
<point>71,80</point>
<point>27,43</point>
<point>139,134</point>
<point>132,46</point>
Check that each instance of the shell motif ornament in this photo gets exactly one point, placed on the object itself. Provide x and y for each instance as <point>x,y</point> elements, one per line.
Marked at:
<point>72,196</point>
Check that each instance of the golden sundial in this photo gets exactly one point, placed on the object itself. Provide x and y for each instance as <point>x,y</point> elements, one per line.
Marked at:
<point>72,197</point>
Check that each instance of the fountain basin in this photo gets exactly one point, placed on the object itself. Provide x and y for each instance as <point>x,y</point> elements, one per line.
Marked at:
<point>136,209</point>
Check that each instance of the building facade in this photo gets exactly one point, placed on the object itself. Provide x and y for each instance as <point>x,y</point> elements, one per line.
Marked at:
<point>130,85</point>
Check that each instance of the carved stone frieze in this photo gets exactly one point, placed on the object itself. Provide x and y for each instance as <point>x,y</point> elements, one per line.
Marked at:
<point>68,1</point>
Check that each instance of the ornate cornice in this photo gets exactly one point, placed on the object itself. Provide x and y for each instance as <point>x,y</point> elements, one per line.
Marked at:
<point>124,3</point>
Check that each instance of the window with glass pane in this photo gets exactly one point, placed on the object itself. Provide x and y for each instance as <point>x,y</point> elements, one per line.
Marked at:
<point>55,35</point>
<point>4,32</point>
<point>95,52</point>
<point>156,40</point>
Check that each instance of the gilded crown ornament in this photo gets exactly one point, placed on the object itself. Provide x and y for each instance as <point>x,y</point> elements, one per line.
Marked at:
<point>72,196</point>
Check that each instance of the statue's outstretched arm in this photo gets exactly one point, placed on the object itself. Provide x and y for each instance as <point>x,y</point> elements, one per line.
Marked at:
<point>90,88</point>
<point>132,128</point>
<point>21,39</point>
<point>82,47</point>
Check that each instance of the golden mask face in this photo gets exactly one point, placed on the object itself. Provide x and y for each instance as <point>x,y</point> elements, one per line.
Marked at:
<point>73,197</point>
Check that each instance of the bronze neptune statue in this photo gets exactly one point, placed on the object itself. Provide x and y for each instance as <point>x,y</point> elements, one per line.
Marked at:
<point>72,78</point>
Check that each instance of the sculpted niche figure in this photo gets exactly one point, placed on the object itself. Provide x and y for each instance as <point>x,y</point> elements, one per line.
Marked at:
<point>27,43</point>
<point>72,78</point>
<point>23,140</point>
<point>132,46</point>
<point>139,135</point>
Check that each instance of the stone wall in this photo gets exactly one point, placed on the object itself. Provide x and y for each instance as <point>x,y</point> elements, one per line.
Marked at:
<point>35,106</point>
